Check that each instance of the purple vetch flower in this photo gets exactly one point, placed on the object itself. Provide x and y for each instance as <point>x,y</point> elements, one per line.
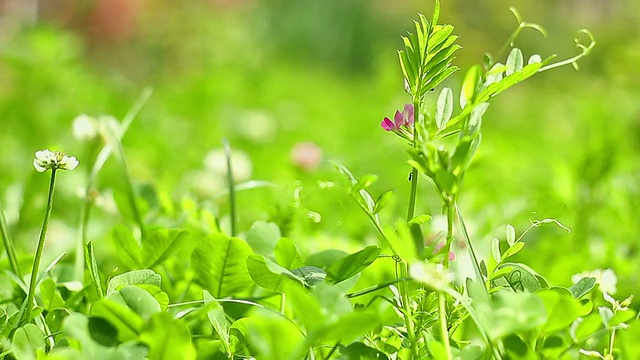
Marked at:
<point>402,121</point>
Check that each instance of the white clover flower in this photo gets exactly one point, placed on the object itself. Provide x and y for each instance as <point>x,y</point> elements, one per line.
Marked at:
<point>216,162</point>
<point>54,160</point>
<point>85,128</point>
<point>108,125</point>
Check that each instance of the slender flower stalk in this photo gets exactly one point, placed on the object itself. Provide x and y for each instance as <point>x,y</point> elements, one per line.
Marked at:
<point>403,125</point>
<point>230,183</point>
<point>45,160</point>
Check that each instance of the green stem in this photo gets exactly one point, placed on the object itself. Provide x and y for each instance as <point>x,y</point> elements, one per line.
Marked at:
<point>442,304</point>
<point>611,341</point>
<point>476,264</point>
<point>92,265</point>
<point>411,335</point>
<point>232,190</point>
<point>408,320</point>
<point>466,303</point>
<point>124,169</point>
<point>39,250</point>
<point>450,208</point>
<point>333,349</point>
<point>8,245</point>
<point>373,288</point>
<point>442,315</point>
<point>243,302</point>
<point>413,194</point>
<point>586,50</point>
<point>414,172</point>
<point>85,211</point>
<point>99,162</point>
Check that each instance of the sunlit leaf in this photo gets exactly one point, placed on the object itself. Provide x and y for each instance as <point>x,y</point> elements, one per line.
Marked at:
<point>310,274</point>
<point>27,342</point>
<point>268,274</point>
<point>583,287</point>
<point>136,299</point>
<point>168,338</point>
<point>127,246</point>
<point>382,200</point>
<point>512,250</point>
<point>219,262</point>
<point>50,296</point>
<point>469,86</point>
<point>521,278</point>
<point>262,237</point>
<point>562,309</point>
<point>266,332</point>
<point>353,264</point>
<point>286,254</point>
<point>217,318</point>
<point>158,245</point>
<point>507,312</point>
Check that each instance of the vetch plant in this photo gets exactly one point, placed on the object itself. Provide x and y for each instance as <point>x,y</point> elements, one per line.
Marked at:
<point>426,61</point>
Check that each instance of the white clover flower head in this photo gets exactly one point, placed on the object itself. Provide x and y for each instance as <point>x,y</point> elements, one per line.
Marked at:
<point>85,128</point>
<point>108,125</point>
<point>54,160</point>
<point>215,161</point>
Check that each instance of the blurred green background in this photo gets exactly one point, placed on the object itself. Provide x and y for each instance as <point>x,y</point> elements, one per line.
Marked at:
<point>269,75</point>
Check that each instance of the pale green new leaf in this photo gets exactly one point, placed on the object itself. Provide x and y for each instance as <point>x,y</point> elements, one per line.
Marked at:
<point>444,107</point>
<point>495,250</point>
<point>514,61</point>
<point>217,318</point>
<point>382,200</point>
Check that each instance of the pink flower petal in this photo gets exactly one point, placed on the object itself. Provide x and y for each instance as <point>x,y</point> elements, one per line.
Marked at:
<point>398,119</point>
<point>387,124</point>
<point>407,114</point>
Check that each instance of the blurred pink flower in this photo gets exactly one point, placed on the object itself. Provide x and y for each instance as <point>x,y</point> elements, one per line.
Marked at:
<point>306,155</point>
